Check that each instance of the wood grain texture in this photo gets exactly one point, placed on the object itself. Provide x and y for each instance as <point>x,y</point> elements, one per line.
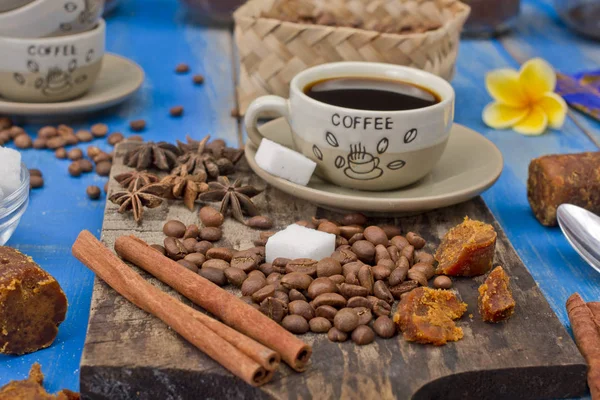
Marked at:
<point>531,356</point>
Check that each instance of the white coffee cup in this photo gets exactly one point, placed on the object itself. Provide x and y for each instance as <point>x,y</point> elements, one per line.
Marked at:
<point>363,149</point>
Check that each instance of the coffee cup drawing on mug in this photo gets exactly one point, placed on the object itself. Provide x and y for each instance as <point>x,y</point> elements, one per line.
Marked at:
<point>368,126</point>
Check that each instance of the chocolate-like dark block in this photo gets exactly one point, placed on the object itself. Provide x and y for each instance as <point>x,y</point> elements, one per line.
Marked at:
<point>563,178</point>
<point>32,304</point>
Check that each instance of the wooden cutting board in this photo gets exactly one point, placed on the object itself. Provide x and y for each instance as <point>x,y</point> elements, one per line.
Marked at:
<point>130,354</point>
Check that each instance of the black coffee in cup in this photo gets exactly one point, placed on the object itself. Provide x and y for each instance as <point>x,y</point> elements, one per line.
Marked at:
<point>371,94</point>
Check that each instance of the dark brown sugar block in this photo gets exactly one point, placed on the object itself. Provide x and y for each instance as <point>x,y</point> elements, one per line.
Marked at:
<point>467,249</point>
<point>427,316</point>
<point>32,389</point>
<point>495,300</point>
<point>32,304</point>
<point>563,178</point>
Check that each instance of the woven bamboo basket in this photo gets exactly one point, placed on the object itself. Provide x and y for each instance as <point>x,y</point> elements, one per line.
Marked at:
<point>272,51</point>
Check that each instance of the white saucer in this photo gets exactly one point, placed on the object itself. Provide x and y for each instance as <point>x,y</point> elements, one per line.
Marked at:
<point>119,79</point>
<point>470,165</point>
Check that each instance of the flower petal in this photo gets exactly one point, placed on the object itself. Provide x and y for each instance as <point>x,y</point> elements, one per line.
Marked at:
<point>500,116</point>
<point>504,86</point>
<point>535,123</point>
<point>555,108</point>
<point>537,77</point>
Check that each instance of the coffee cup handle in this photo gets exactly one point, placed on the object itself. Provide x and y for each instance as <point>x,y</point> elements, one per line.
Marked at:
<point>274,104</point>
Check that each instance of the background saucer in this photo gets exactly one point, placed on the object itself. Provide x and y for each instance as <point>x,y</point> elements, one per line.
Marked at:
<point>470,165</point>
<point>118,79</point>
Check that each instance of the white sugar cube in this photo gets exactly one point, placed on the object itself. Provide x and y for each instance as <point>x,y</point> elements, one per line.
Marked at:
<point>288,164</point>
<point>296,241</point>
<point>10,170</point>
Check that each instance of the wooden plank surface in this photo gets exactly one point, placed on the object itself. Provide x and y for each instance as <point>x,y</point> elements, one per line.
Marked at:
<point>530,356</point>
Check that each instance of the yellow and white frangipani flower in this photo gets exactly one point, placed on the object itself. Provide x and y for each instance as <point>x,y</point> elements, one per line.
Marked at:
<point>525,99</point>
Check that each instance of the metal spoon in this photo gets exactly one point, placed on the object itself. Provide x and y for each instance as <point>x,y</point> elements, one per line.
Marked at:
<point>582,230</point>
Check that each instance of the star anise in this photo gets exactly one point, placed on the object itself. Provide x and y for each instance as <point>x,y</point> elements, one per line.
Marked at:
<point>195,159</point>
<point>186,186</point>
<point>135,179</point>
<point>232,196</point>
<point>161,155</point>
<point>149,196</point>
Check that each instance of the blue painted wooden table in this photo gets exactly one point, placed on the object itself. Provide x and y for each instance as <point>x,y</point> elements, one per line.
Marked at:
<point>158,34</point>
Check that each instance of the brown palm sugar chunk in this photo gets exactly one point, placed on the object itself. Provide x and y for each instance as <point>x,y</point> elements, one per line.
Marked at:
<point>427,315</point>
<point>495,298</point>
<point>32,304</point>
<point>32,389</point>
<point>467,249</point>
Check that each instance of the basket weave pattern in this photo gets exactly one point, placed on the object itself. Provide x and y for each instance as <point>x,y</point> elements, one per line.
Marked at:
<point>272,52</point>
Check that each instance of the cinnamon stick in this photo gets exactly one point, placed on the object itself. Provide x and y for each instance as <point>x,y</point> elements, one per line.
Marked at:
<point>91,252</point>
<point>594,307</point>
<point>587,337</point>
<point>222,304</point>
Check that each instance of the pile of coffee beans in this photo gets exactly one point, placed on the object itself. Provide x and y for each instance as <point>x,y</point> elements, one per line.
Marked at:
<point>347,295</point>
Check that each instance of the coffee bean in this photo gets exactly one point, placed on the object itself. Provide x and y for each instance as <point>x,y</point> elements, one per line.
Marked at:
<point>39,143</point>
<point>356,238</point>
<point>85,166</point>
<point>93,151</point>
<point>15,131</point>
<point>363,335</point>
<point>398,275</point>
<point>103,168</point>
<point>302,308</point>
<point>102,157</point>
<point>202,246</point>
<point>319,325</point>
<point>260,222</point>
<point>274,308</point>
<point>252,285</point>
<point>55,143</point>
<point>182,68</point>
<point>189,244</point>
<point>295,294</point>
<point>394,253</point>
<point>135,138</point>
<point>137,125</point>
<point>159,248</point>
<point>84,136</point>
<point>381,291</point>
<point>211,234</point>
<point>303,265</point>
<point>384,327</point>
<point>399,241</point>
<point>329,227</point>
<point>352,267</point>
<point>263,293</point>
<point>350,230</point>
<point>415,240</point>
<point>344,256</point>
<point>93,192</point>
<point>327,312</point>
<point>74,169</point>
<point>210,217</point>
<point>380,307</point>
<point>365,250</point>
<point>352,279</point>
<point>282,296</point>
<point>442,282</point>
<point>247,299</point>
<point>221,253</point>
<point>354,219</point>
<point>337,279</point>
<point>235,276</point>
<point>216,263</point>
<point>426,269</point>
<point>391,230</point>
<point>63,129</point>
<point>273,277</point>
<point>33,171</point>
<point>244,260</point>
<point>320,286</point>
<point>346,320</point>
<point>380,272</point>
<point>191,232</point>
<point>198,79</point>
<point>358,301</point>
<point>257,274</point>
<point>295,324</point>
<point>266,268</point>
<point>423,257</point>
<point>381,253</point>
<point>36,182</point>
<point>189,265</point>
<point>47,132</point>
<point>114,138</point>
<point>5,123</point>
<point>23,141</point>
<point>418,276</point>
<point>197,258</point>
<point>409,252</point>
<point>174,248</point>
<point>75,154</point>
<point>99,130</point>
<point>329,299</point>
<point>375,235</point>
<point>365,277</point>
<point>404,287</point>
<point>216,276</point>
<point>349,291</point>
<point>335,335</point>
<point>174,228</point>
<point>296,280</point>
<point>176,111</point>
<point>364,315</point>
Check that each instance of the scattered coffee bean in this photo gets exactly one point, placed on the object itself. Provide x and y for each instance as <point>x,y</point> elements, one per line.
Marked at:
<point>246,260</point>
<point>365,277</point>
<point>415,240</point>
<point>375,235</point>
<point>404,287</point>
<point>188,265</point>
<point>381,253</point>
<point>352,279</point>
<point>391,230</point>
<point>274,277</point>
<point>418,276</point>
<point>260,222</point>
<point>329,227</point>
<point>346,320</point>
<point>327,312</point>
<point>235,113</point>
<point>216,263</point>
<point>426,269</point>
<point>114,138</point>
<point>381,291</point>
<point>159,248</point>
<point>5,123</point>
<point>191,232</point>
<point>328,266</point>
<point>174,248</point>
<point>23,141</point>
<point>235,276</point>
<point>296,280</point>
<point>84,136</point>
<point>93,192</point>
<point>266,268</point>
<point>176,111</point>
<point>75,154</point>
<point>354,219</point>
<point>221,253</point>
<point>380,272</point>
<point>399,241</point>
<point>348,290</point>
<point>352,267</point>
<point>5,136</point>
<point>85,165</point>
<point>36,181</point>
<point>197,258</point>
<point>64,130</point>
<point>302,308</point>
<point>320,286</point>
<point>364,250</point>
<point>350,230</point>
<point>198,79</point>
<point>135,138</point>
<point>337,279</point>
<point>74,169</point>
<point>189,244</point>
<point>381,307</point>
<point>358,301</point>
<point>295,324</point>
<point>442,282</point>
<point>56,142</point>
<point>211,234</point>
<point>282,296</point>
<point>394,253</point>
<point>103,168</point>
<point>99,130</point>
<point>137,125</point>
<point>303,265</point>
<point>319,325</point>
<point>295,294</point>
<point>174,228</point>
<point>210,217</point>
<point>203,246</point>
<point>15,131</point>
<point>252,285</point>
<point>93,151</point>
<point>397,276</point>
<point>182,68</point>
<point>363,335</point>
<point>33,171</point>
<point>216,276</point>
<point>409,253</point>
<point>344,255</point>
<point>329,299</point>
<point>423,257</point>
<point>263,293</point>
<point>274,308</point>
<point>384,327</point>
<point>39,143</point>
<point>335,335</point>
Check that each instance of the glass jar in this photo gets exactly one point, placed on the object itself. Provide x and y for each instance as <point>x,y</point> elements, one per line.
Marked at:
<point>491,17</point>
<point>582,16</point>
